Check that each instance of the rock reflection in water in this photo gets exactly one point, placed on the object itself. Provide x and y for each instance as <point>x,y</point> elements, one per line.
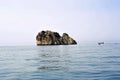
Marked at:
<point>56,60</point>
<point>53,68</point>
<point>49,55</point>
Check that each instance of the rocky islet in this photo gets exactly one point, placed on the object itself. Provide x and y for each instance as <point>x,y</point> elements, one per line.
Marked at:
<point>53,38</point>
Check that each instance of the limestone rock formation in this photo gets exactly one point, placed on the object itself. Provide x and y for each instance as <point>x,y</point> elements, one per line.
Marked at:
<point>53,38</point>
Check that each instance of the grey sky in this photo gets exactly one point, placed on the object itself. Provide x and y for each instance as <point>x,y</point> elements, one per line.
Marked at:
<point>84,20</point>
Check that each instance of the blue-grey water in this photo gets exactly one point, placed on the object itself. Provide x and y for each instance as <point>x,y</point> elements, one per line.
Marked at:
<point>65,62</point>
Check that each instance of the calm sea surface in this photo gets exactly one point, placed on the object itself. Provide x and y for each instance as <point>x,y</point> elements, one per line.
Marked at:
<point>67,62</point>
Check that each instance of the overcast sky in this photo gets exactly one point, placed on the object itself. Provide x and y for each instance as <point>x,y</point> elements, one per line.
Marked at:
<point>84,20</point>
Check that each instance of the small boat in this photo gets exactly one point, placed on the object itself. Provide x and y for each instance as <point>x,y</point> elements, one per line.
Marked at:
<point>99,43</point>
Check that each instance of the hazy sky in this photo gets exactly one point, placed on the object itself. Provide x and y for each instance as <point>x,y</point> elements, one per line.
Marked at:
<point>84,20</point>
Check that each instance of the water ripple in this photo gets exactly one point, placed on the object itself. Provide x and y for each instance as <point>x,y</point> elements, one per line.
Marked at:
<point>81,62</point>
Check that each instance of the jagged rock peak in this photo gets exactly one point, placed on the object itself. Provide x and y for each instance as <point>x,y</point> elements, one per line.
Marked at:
<point>53,38</point>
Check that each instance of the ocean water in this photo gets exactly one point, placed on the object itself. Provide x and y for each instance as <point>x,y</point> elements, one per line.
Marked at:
<point>65,62</point>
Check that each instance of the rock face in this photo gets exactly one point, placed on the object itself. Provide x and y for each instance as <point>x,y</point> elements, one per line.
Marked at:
<point>53,38</point>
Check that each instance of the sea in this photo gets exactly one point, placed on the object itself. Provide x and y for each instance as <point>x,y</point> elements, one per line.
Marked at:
<point>60,62</point>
